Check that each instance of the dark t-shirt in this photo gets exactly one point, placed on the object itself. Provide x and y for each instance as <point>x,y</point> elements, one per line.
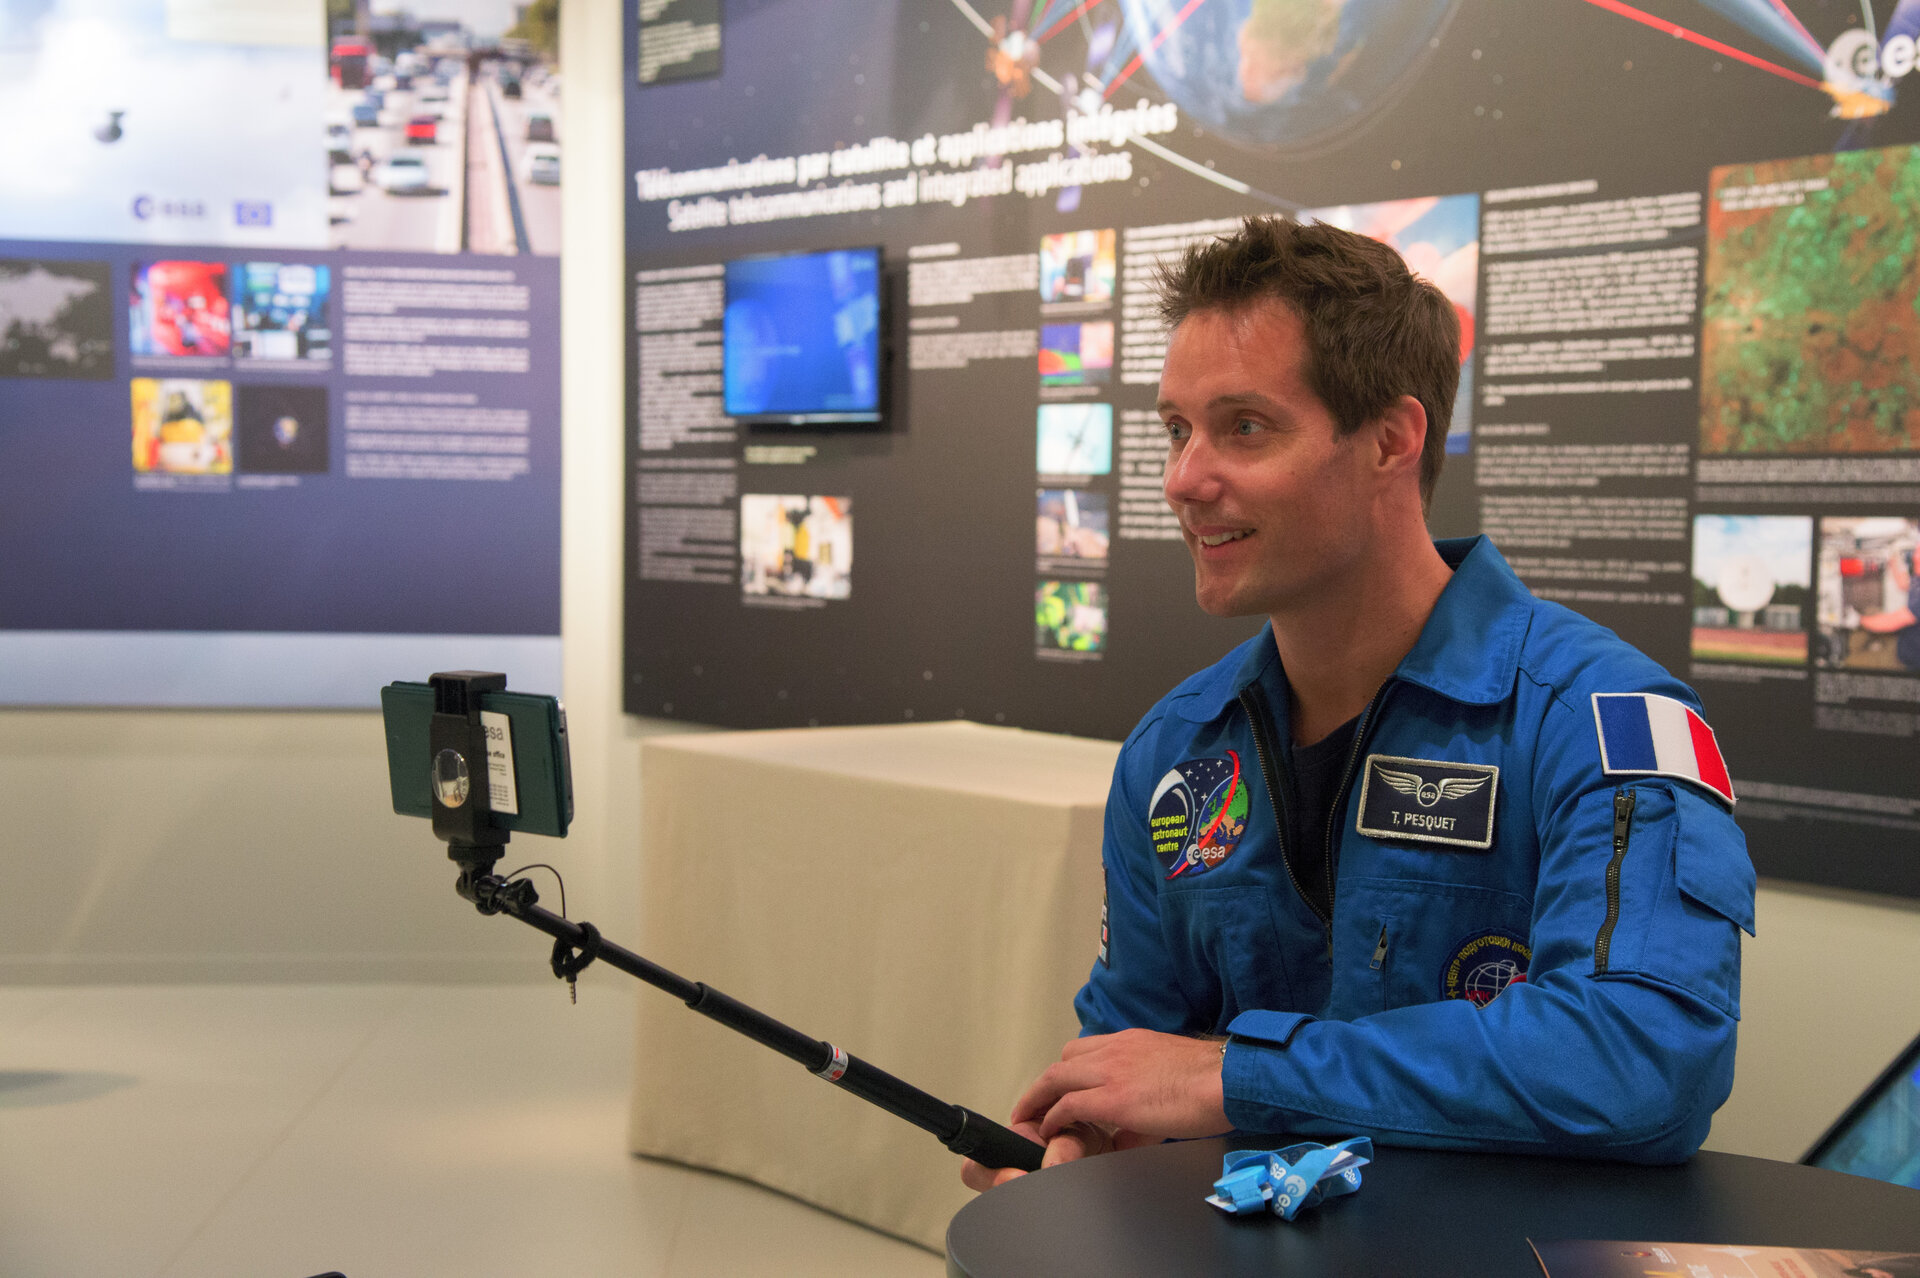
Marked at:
<point>1315,771</point>
<point>1309,775</point>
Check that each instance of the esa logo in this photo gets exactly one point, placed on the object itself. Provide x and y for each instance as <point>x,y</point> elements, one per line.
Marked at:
<point>1857,56</point>
<point>146,209</point>
<point>253,213</point>
<point>1861,73</point>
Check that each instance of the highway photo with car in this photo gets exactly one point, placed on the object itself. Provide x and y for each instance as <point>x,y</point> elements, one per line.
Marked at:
<point>447,146</point>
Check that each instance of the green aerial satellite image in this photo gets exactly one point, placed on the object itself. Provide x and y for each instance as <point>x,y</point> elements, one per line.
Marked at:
<point>1811,325</point>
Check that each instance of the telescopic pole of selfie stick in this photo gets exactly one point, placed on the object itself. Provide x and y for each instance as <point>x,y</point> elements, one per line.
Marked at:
<point>475,845</point>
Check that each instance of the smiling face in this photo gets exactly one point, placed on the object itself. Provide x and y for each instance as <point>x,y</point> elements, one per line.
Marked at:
<point>1275,505</point>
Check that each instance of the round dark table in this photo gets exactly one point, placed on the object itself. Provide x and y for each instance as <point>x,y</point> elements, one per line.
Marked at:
<point>1418,1212</point>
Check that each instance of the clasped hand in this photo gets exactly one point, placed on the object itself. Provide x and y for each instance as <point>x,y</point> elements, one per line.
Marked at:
<point>1116,1091</point>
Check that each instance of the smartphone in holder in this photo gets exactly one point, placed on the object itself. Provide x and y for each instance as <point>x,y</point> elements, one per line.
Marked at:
<point>482,763</point>
<point>529,776</point>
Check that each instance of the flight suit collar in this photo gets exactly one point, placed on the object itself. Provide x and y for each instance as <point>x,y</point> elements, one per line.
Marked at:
<point>1468,651</point>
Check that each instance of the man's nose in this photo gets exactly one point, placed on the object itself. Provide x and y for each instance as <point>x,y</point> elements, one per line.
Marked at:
<point>1193,472</point>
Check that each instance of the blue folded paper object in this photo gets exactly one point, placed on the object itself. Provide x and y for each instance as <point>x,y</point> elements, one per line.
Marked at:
<point>1288,1181</point>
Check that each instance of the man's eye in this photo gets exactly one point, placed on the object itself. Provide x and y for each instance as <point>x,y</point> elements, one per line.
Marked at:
<point>1245,426</point>
<point>1176,432</point>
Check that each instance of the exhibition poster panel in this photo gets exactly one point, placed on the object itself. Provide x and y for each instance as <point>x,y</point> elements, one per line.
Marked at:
<point>1679,234</point>
<point>279,351</point>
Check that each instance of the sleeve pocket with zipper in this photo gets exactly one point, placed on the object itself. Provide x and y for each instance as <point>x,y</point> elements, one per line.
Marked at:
<point>1685,888</point>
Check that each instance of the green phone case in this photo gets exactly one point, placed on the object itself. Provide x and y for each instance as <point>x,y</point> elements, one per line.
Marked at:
<point>541,769</point>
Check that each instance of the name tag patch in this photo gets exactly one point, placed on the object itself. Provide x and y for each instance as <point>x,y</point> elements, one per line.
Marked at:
<point>1428,801</point>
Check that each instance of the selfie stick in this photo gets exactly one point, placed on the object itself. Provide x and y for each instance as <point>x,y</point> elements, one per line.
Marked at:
<point>460,817</point>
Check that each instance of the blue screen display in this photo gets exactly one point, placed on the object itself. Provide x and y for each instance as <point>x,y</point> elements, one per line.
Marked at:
<point>802,337</point>
<point>1882,1137</point>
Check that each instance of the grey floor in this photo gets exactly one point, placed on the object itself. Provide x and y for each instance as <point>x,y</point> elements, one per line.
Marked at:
<point>260,1131</point>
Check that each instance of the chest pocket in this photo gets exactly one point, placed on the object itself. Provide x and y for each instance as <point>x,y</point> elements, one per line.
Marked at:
<point>1234,959</point>
<point>1399,942</point>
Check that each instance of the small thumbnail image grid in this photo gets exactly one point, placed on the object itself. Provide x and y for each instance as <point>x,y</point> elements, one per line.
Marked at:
<point>1070,617</point>
<point>179,308</point>
<point>1867,593</point>
<point>282,430</point>
<point>795,545</point>
<point>1078,266</point>
<point>1071,524</point>
<point>56,319</point>
<point>281,312</point>
<point>1076,354</point>
<point>182,426</point>
<point>1752,580</point>
<point>1074,439</point>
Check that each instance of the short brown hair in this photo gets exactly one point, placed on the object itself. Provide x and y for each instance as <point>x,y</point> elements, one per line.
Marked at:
<point>1375,331</point>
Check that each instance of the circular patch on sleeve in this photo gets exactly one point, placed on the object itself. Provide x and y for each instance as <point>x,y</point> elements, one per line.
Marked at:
<point>1483,965</point>
<point>1198,813</point>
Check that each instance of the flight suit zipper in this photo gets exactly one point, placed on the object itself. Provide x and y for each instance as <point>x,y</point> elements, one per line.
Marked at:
<point>1255,706</point>
<point>1367,717</point>
<point>1623,805</point>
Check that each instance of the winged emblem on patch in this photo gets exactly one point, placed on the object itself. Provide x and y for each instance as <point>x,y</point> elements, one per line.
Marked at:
<point>1428,793</point>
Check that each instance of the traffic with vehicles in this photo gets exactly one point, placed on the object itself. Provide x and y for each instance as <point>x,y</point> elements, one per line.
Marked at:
<point>447,146</point>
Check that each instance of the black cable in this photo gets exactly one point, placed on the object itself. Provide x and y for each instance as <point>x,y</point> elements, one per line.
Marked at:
<point>542,865</point>
<point>568,960</point>
<point>567,964</point>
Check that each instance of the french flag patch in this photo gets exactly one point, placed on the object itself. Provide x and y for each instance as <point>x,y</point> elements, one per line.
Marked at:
<point>1643,734</point>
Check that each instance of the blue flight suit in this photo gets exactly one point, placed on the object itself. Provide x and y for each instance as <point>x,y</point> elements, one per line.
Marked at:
<point>1564,982</point>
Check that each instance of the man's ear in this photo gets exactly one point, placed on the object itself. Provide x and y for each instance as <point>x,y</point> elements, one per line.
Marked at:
<point>1400,437</point>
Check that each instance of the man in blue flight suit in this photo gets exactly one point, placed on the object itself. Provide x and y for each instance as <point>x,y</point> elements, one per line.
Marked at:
<point>1428,859</point>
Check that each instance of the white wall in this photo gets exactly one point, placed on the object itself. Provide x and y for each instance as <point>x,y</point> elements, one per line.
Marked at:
<point>259,846</point>
<point>175,845</point>
<point>1830,991</point>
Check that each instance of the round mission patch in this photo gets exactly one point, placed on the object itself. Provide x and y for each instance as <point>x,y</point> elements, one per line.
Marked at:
<point>1483,965</point>
<point>1198,814</point>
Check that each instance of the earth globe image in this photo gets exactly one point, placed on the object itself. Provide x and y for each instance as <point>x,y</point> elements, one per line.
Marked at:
<point>1485,982</point>
<point>1283,73</point>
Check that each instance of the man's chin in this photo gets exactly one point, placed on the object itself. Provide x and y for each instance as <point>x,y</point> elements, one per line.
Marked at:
<point>1217,599</point>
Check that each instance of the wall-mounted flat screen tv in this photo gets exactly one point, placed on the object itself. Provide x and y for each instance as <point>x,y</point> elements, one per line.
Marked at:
<point>802,334</point>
